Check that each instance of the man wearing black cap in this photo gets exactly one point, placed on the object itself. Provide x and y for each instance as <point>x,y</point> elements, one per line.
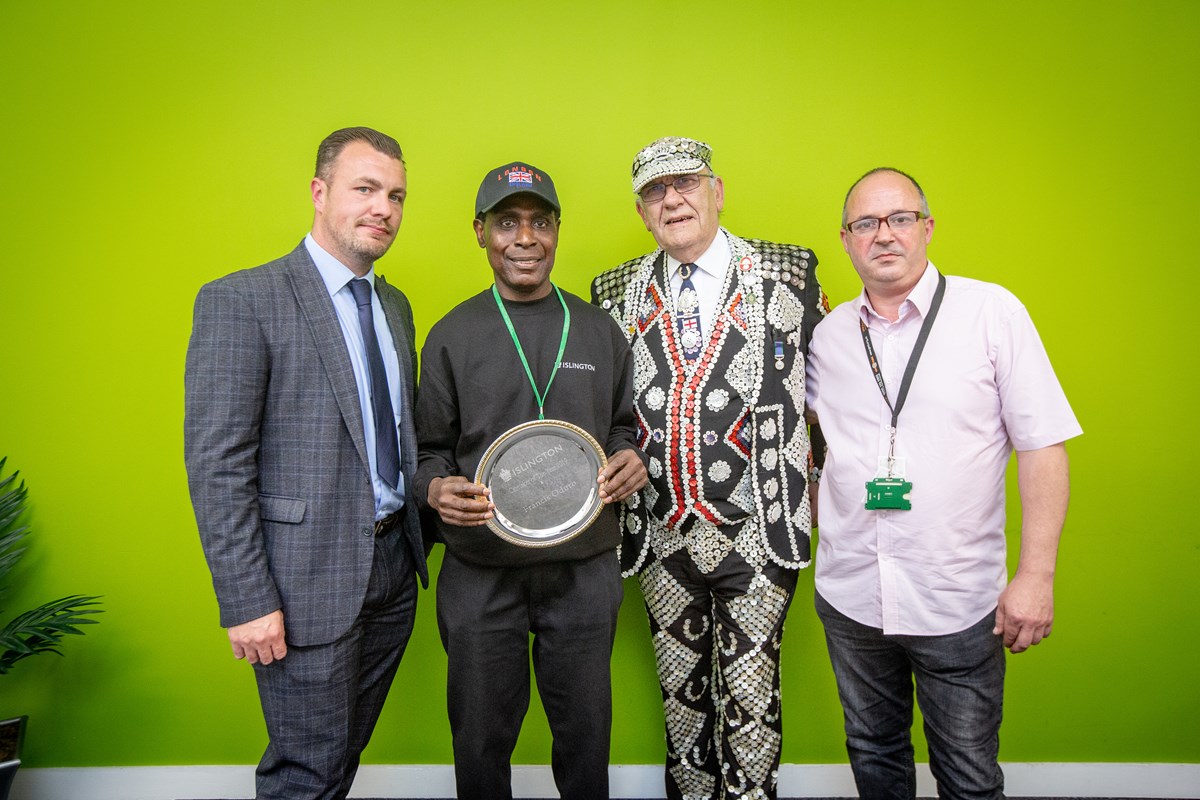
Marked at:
<point>720,327</point>
<point>521,351</point>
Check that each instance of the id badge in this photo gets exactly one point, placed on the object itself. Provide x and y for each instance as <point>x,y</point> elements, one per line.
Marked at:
<point>889,493</point>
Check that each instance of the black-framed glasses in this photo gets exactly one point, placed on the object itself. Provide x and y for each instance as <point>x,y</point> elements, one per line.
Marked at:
<point>655,192</point>
<point>899,221</point>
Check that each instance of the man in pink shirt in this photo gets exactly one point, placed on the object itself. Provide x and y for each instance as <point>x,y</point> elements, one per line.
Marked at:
<point>924,385</point>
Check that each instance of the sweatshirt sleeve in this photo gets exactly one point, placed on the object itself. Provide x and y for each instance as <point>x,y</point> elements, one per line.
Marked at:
<point>437,419</point>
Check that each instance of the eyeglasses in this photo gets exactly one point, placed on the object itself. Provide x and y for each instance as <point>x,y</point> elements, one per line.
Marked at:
<point>655,192</point>
<point>901,220</point>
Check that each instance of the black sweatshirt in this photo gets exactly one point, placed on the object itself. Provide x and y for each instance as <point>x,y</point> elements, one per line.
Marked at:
<point>473,388</point>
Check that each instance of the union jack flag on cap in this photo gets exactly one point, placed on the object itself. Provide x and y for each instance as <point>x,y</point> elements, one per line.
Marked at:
<point>516,177</point>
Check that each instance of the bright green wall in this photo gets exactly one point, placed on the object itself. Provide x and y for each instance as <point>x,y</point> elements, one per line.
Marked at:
<point>151,147</point>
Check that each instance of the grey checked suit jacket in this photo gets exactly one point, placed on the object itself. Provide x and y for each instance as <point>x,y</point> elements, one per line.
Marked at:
<point>273,442</point>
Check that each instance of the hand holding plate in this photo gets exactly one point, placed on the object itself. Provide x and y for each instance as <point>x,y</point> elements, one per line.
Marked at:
<point>543,481</point>
<point>623,476</point>
<point>460,502</point>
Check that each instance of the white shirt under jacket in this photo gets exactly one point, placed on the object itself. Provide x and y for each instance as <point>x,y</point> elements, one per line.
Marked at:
<point>984,386</point>
<point>712,267</point>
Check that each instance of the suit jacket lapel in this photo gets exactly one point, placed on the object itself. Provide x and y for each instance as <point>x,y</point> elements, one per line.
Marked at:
<point>313,298</point>
<point>753,305</point>
<point>738,249</point>
<point>399,319</point>
<point>398,323</point>
<point>653,274</point>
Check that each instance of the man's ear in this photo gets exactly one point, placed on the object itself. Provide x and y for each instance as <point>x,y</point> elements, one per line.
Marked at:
<point>318,189</point>
<point>642,213</point>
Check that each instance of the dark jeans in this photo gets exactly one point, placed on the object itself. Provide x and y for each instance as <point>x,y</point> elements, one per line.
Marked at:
<point>321,702</point>
<point>486,616</point>
<point>960,689</point>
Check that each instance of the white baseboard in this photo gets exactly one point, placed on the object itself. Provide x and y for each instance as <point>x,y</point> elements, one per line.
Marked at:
<point>629,781</point>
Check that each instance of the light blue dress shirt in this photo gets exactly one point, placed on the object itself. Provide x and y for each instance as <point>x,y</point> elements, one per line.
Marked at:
<point>337,277</point>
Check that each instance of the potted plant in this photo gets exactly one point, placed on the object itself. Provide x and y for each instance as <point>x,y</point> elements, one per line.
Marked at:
<point>36,631</point>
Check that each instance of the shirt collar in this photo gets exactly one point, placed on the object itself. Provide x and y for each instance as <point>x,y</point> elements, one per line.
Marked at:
<point>920,298</point>
<point>334,273</point>
<point>714,260</point>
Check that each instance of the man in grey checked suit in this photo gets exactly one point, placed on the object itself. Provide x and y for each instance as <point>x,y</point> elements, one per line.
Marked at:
<point>300,452</point>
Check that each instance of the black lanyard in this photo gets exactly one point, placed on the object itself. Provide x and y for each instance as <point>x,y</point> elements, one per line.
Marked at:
<point>911,367</point>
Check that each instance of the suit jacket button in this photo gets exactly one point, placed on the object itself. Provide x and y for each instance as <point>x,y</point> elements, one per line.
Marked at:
<point>368,531</point>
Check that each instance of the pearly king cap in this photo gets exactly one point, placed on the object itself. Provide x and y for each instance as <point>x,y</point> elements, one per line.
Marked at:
<point>670,155</point>
<point>516,178</point>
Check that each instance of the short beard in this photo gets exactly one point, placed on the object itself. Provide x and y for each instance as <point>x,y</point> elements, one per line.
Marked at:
<point>366,251</point>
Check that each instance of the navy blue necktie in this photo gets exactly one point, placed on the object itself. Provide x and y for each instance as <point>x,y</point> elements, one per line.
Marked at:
<point>688,314</point>
<point>387,448</point>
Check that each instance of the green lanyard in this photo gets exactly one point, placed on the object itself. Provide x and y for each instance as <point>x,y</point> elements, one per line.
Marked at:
<point>562,346</point>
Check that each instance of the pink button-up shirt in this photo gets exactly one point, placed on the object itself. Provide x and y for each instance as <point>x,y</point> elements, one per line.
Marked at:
<point>983,386</point>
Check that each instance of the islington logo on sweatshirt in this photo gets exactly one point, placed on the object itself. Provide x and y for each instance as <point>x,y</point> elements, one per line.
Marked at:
<point>576,365</point>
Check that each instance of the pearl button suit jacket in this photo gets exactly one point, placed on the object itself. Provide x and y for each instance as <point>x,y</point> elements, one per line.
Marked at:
<point>726,437</point>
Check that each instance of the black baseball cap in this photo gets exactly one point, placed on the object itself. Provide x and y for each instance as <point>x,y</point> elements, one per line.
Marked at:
<point>516,178</point>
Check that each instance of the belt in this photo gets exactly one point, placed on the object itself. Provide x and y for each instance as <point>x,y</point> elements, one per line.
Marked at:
<point>384,526</point>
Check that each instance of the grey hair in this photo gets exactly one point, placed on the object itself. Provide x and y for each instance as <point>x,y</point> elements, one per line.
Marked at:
<point>920,192</point>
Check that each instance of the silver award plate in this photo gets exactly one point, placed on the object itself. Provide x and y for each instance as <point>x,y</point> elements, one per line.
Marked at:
<point>542,476</point>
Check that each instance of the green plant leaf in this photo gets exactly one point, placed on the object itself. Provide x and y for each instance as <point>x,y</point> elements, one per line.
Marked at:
<point>12,506</point>
<point>41,629</point>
